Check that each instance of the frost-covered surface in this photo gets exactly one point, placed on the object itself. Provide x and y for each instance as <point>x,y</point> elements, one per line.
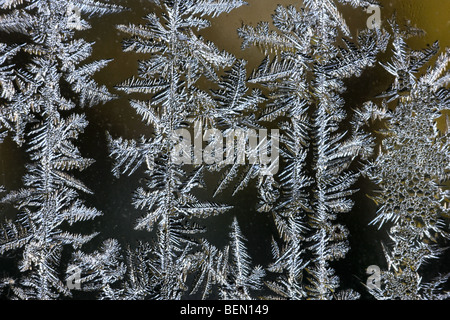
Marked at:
<point>42,117</point>
<point>178,59</point>
<point>185,80</point>
<point>411,171</point>
<point>306,80</point>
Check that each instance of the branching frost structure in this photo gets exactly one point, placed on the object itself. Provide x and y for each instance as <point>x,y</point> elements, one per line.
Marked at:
<point>229,270</point>
<point>9,119</point>
<point>411,171</point>
<point>310,53</point>
<point>178,58</point>
<point>50,199</point>
<point>306,80</point>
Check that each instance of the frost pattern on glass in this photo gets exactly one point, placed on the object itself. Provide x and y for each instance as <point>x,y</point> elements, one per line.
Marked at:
<point>411,170</point>
<point>11,115</point>
<point>310,53</point>
<point>229,270</point>
<point>179,57</point>
<point>305,79</point>
<point>41,114</point>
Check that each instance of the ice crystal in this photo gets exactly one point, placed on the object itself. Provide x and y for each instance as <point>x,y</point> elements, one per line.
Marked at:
<point>234,114</point>
<point>186,85</point>
<point>179,57</point>
<point>229,269</point>
<point>306,79</point>
<point>49,199</point>
<point>99,271</point>
<point>12,116</point>
<point>130,276</point>
<point>411,170</point>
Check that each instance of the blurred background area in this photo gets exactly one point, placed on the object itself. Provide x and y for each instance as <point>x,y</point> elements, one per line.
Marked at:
<point>113,196</point>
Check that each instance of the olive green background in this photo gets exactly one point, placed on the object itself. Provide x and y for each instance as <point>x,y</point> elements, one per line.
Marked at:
<point>113,196</point>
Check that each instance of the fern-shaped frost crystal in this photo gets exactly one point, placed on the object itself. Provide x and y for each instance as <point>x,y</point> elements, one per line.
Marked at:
<point>50,197</point>
<point>411,170</point>
<point>178,58</point>
<point>305,80</point>
<point>229,270</point>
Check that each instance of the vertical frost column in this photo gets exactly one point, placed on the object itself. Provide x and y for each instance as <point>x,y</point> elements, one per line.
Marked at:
<point>9,121</point>
<point>177,59</point>
<point>306,80</point>
<point>411,171</point>
<point>228,269</point>
<point>50,196</point>
<point>12,117</point>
